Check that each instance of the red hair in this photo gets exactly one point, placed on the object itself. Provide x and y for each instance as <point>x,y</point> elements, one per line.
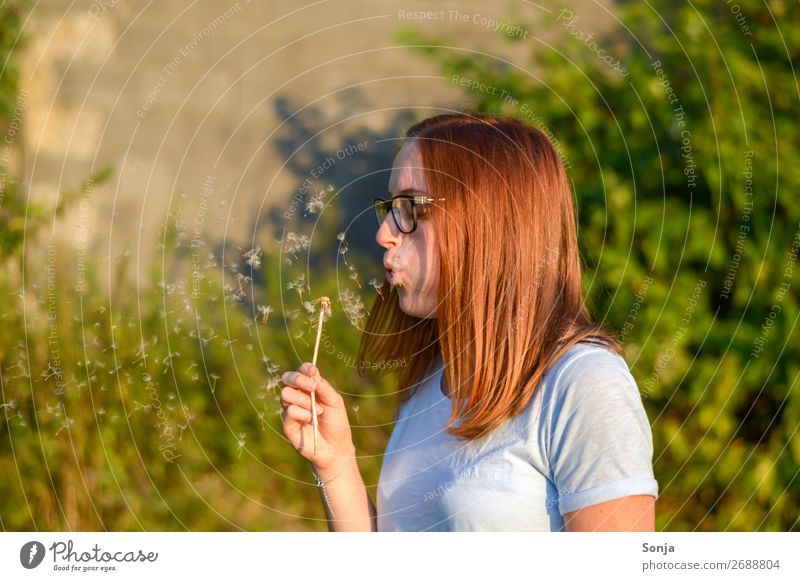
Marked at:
<point>510,301</point>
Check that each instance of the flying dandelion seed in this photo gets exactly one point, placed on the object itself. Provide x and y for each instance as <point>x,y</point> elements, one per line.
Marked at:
<point>343,246</point>
<point>264,312</point>
<point>354,274</point>
<point>294,243</point>
<point>242,280</point>
<point>377,286</point>
<point>253,257</point>
<point>353,307</point>
<point>214,377</point>
<point>300,285</point>
<point>136,407</point>
<point>187,413</point>
<point>315,204</point>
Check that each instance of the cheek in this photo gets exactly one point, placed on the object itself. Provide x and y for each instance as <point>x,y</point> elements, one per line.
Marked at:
<point>431,269</point>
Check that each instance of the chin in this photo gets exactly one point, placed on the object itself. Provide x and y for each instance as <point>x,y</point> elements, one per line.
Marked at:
<point>420,314</point>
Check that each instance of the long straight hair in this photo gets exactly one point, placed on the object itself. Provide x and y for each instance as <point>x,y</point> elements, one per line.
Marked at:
<point>510,298</point>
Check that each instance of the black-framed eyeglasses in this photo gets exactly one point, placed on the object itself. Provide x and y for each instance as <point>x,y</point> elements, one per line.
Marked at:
<point>404,208</point>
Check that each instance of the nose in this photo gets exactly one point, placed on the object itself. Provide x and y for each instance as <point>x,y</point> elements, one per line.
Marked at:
<point>388,234</point>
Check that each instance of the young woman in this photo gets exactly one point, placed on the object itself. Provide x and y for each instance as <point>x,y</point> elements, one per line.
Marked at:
<point>516,411</point>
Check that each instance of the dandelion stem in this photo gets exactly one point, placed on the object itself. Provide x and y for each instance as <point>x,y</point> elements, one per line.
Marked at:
<point>325,306</point>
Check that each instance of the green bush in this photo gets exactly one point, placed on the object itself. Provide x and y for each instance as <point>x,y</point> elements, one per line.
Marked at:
<point>155,406</point>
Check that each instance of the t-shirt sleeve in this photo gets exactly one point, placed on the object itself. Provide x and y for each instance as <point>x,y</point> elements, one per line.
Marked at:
<point>599,442</point>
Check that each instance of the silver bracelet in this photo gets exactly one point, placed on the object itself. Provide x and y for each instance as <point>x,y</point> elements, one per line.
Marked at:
<point>321,486</point>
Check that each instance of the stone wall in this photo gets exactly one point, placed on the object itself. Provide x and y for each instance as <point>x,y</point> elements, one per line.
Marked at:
<point>246,97</point>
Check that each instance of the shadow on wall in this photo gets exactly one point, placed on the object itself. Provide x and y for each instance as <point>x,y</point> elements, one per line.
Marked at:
<point>345,153</point>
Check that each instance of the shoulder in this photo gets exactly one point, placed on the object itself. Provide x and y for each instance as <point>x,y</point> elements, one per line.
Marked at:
<point>595,431</point>
<point>589,396</point>
<point>590,371</point>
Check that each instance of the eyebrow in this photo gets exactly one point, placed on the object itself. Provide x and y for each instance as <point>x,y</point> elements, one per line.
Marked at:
<point>407,192</point>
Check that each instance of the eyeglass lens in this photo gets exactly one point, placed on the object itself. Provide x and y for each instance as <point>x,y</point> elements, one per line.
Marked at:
<point>402,212</point>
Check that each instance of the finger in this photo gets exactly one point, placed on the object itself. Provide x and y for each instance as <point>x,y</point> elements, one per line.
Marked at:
<point>298,379</point>
<point>290,395</point>
<point>299,414</point>
<point>324,390</point>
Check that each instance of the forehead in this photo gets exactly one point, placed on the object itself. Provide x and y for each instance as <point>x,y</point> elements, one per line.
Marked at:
<point>407,172</point>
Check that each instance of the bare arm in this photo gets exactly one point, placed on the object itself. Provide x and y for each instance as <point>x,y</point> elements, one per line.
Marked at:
<point>348,507</point>
<point>631,513</point>
<point>347,504</point>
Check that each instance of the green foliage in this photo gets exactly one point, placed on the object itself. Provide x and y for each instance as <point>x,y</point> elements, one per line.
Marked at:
<point>662,160</point>
<point>11,14</point>
<point>156,407</point>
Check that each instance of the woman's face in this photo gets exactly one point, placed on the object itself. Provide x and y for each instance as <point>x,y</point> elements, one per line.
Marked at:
<point>412,258</point>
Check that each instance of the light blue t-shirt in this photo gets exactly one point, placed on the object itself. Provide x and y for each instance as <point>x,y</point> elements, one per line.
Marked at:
<point>584,438</point>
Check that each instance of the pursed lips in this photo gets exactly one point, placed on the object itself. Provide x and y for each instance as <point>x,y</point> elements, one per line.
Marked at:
<point>391,273</point>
